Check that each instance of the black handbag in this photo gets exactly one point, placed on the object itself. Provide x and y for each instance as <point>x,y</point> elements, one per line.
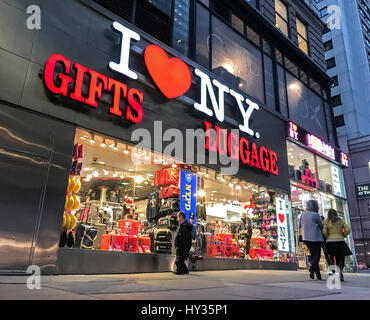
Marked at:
<point>85,236</point>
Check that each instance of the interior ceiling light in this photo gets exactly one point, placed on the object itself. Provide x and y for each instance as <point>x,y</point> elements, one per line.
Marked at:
<point>115,174</point>
<point>207,174</point>
<point>126,150</point>
<point>85,138</point>
<point>139,179</point>
<point>103,144</point>
<point>105,172</point>
<point>115,148</point>
<point>92,138</point>
<point>96,173</point>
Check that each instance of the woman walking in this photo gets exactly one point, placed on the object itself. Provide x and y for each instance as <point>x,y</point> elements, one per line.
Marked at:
<point>311,226</point>
<point>335,230</point>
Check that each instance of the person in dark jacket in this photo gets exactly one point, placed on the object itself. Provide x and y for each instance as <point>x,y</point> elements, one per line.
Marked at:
<point>311,226</point>
<point>182,243</point>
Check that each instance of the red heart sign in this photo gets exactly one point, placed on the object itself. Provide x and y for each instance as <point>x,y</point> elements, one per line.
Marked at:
<point>281,218</point>
<point>171,75</point>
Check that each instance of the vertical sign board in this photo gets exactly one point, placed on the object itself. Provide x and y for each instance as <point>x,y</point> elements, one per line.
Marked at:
<point>282,224</point>
<point>188,193</point>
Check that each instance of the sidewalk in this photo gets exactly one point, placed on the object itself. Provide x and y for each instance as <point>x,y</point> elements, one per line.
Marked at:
<point>210,285</point>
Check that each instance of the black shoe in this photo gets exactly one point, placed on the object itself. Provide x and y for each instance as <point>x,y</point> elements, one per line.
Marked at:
<point>179,273</point>
<point>318,276</point>
<point>312,275</point>
<point>186,272</point>
<point>341,277</point>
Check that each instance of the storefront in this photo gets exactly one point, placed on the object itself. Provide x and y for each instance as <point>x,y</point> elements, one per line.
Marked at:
<point>316,172</point>
<point>109,132</point>
<point>121,146</point>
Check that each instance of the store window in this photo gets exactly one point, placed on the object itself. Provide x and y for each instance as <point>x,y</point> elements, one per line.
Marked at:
<point>302,167</point>
<point>123,199</point>
<point>331,178</point>
<point>281,17</point>
<point>236,60</point>
<point>302,36</point>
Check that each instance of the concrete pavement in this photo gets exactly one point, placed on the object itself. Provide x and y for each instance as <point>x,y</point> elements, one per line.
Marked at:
<point>209,285</point>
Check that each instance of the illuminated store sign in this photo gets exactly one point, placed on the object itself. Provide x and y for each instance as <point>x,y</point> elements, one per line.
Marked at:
<point>239,148</point>
<point>320,146</point>
<point>170,75</point>
<point>282,225</point>
<point>316,144</point>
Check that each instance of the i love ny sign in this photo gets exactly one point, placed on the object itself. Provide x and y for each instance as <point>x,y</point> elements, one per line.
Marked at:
<point>171,76</point>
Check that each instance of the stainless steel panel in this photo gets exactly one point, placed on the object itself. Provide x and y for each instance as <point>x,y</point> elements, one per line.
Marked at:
<point>35,159</point>
<point>21,183</point>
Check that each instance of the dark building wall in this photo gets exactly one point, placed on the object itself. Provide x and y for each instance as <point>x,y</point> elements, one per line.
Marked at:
<point>359,174</point>
<point>314,24</point>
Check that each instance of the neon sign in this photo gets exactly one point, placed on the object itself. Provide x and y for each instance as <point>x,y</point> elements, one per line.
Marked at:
<point>320,146</point>
<point>316,144</point>
<point>308,179</point>
<point>239,148</point>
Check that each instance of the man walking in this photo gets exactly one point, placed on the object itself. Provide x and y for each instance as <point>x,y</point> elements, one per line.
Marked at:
<point>182,243</point>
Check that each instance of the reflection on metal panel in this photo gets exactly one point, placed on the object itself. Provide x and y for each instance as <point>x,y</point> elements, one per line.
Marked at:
<point>21,183</point>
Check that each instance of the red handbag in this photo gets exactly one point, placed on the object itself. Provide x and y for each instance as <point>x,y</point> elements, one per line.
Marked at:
<point>169,192</point>
<point>166,177</point>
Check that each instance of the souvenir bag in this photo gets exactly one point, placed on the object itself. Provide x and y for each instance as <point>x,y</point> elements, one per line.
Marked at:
<point>166,177</point>
<point>169,192</point>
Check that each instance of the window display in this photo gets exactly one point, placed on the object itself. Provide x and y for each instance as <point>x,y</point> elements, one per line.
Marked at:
<point>118,202</point>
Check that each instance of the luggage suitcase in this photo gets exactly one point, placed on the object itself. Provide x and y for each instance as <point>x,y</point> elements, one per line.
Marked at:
<point>169,206</point>
<point>162,234</point>
<point>166,177</point>
<point>169,192</point>
<point>85,236</point>
<point>162,247</point>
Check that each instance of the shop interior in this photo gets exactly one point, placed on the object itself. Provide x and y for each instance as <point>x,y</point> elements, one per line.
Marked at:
<point>123,205</point>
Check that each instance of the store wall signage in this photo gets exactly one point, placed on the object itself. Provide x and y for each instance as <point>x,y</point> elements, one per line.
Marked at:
<point>363,190</point>
<point>308,179</point>
<point>226,142</point>
<point>207,86</point>
<point>97,83</point>
<point>171,75</point>
<point>316,144</point>
<point>282,224</point>
<point>188,193</point>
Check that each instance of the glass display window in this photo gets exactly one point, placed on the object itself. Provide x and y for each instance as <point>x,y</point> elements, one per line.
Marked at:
<point>330,177</point>
<point>302,167</point>
<point>120,198</point>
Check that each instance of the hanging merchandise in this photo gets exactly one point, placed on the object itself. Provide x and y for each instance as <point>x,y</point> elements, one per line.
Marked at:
<point>169,192</point>
<point>77,186</point>
<point>166,177</point>
<point>76,202</point>
<point>201,209</point>
<point>69,202</point>
<point>169,206</point>
<point>152,208</point>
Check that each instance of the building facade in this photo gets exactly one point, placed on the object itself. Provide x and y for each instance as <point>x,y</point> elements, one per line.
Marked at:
<point>347,47</point>
<point>116,115</point>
